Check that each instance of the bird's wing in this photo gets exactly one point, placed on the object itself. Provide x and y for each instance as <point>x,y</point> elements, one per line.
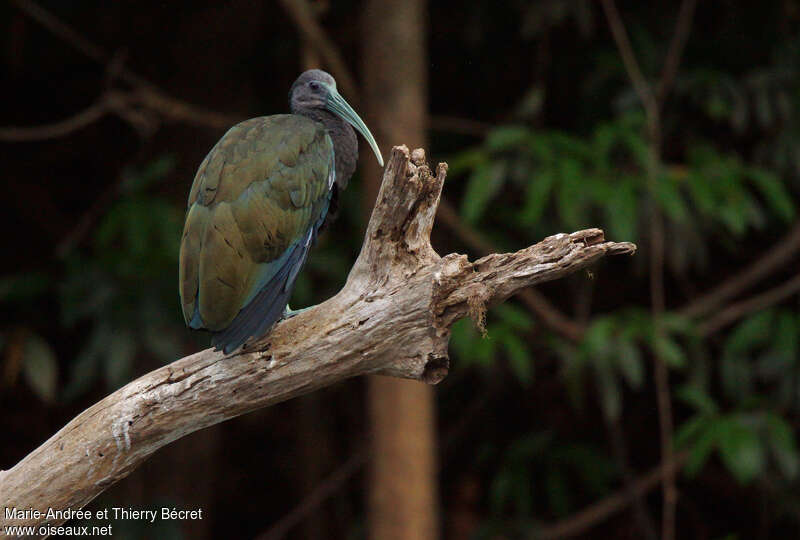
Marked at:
<point>253,212</point>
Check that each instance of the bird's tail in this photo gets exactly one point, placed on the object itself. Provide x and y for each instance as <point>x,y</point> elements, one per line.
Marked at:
<point>266,307</point>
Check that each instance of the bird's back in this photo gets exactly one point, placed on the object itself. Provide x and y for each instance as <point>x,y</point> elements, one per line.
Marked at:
<point>254,208</point>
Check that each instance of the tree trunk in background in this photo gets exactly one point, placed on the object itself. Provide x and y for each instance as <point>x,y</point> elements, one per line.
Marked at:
<point>403,494</point>
<point>313,442</point>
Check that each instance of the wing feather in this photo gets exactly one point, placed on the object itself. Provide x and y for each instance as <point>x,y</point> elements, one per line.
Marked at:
<point>254,210</point>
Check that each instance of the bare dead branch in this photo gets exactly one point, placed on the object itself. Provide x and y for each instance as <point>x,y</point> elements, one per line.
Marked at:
<point>91,114</point>
<point>640,84</point>
<point>619,450</point>
<point>176,110</point>
<point>652,106</point>
<point>675,52</point>
<point>64,31</point>
<point>302,14</point>
<point>601,510</point>
<point>76,40</point>
<point>741,309</point>
<point>323,491</point>
<point>773,259</point>
<point>547,313</point>
<point>392,317</point>
<point>146,94</point>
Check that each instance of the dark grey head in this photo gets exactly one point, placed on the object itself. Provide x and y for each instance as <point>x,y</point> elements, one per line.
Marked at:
<point>310,90</point>
<point>316,89</point>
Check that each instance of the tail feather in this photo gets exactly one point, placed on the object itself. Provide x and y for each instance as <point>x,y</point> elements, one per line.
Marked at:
<point>266,307</point>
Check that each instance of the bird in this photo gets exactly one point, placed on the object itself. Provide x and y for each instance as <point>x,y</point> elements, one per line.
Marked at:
<point>258,201</point>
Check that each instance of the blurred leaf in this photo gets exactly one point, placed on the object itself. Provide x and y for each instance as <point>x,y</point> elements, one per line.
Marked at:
<point>471,347</point>
<point>595,469</point>
<point>518,356</point>
<point>636,324</point>
<point>735,368</point>
<point>540,147</point>
<point>573,372</point>
<point>783,446</point>
<point>731,217</point>
<point>40,367</point>
<point>603,141</point>
<point>703,446</point>
<point>530,106</point>
<point>513,316</point>
<point>674,323</point>
<point>482,186</point>
<point>511,487</point>
<point>736,376</point>
<point>670,351</point>
<point>622,211</point>
<point>670,199</point>
<point>691,430</point>
<point>536,197</point>
<point>467,160</point>
<point>506,138</point>
<point>635,143</point>
<point>119,360</point>
<point>785,340</point>
<point>512,484</point>
<point>629,360</point>
<point>774,192</point>
<point>135,180</point>
<point>608,387</point>
<point>702,192</point>
<point>597,338</point>
<point>741,449</point>
<point>698,398</point>
<point>570,192</point>
<point>85,369</point>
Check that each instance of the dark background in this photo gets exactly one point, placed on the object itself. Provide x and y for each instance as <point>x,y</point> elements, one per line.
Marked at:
<point>533,108</point>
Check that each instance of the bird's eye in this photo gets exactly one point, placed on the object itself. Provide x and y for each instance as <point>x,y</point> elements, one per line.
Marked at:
<point>314,85</point>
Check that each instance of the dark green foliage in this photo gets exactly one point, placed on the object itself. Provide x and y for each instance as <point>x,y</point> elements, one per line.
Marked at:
<point>600,180</point>
<point>120,285</point>
<point>109,289</point>
<point>40,368</point>
<point>741,388</point>
<point>505,334</point>
<point>536,475</point>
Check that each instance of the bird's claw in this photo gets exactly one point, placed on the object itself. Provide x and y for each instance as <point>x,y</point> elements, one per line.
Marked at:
<point>288,313</point>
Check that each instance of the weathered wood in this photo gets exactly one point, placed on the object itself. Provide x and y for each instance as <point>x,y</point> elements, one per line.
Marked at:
<point>392,317</point>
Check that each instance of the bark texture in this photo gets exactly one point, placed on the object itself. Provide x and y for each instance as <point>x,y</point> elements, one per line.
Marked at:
<point>392,317</point>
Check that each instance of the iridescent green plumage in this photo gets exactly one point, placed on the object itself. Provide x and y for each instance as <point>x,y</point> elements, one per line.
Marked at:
<point>260,189</point>
<point>256,205</point>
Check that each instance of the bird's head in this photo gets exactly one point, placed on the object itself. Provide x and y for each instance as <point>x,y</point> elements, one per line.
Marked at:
<point>316,89</point>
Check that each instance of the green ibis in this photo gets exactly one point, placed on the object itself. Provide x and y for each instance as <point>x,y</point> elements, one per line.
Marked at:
<point>257,204</point>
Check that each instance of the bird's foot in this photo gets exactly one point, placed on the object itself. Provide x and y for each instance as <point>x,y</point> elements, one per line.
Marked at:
<point>288,313</point>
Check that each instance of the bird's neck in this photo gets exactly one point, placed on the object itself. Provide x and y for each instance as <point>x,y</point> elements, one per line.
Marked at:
<point>345,143</point>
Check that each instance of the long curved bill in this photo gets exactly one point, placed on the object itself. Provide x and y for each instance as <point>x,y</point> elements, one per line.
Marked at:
<point>337,105</point>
